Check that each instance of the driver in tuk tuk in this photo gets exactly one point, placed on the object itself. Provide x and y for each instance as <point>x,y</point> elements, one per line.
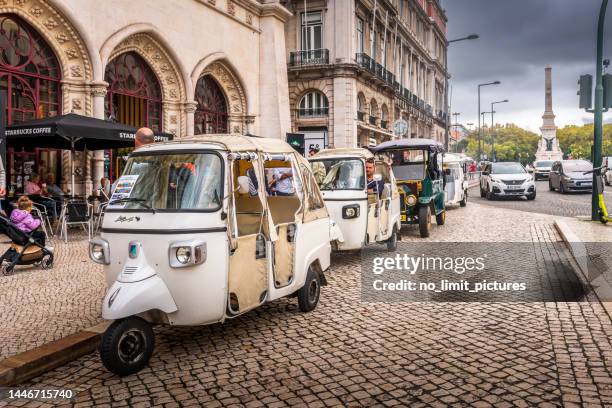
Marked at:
<point>374,186</point>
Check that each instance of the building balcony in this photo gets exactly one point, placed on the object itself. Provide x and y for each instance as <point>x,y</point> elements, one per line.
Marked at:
<point>429,109</point>
<point>313,113</point>
<point>372,120</point>
<point>309,58</point>
<point>364,61</point>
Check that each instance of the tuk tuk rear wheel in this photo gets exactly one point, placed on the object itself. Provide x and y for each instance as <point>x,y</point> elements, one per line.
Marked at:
<point>127,346</point>
<point>308,295</point>
<point>463,202</point>
<point>441,218</point>
<point>424,221</point>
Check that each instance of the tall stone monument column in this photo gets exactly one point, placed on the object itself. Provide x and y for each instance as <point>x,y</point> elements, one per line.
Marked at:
<point>548,146</point>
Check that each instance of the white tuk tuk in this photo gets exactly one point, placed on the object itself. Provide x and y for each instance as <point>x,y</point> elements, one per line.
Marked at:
<point>205,229</point>
<point>366,212</point>
<point>456,184</point>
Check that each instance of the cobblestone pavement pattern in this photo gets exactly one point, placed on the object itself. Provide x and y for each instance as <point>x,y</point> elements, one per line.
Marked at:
<point>38,306</point>
<point>352,353</point>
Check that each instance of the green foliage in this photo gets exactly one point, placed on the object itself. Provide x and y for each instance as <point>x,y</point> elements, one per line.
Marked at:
<point>576,141</point>
<point>512,143</point>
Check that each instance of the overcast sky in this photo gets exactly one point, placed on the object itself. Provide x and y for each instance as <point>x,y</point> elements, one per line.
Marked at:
<point>518,38</point>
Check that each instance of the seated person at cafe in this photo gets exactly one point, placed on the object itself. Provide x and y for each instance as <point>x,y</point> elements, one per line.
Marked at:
<point>53,190</point>
<point>32,186</point>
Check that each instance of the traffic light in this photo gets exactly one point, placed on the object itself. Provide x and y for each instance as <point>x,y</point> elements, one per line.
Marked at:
<point>586,91</point>
<point>607,91</point>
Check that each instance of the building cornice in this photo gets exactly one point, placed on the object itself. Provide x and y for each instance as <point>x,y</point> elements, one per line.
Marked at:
<point>275,10</point>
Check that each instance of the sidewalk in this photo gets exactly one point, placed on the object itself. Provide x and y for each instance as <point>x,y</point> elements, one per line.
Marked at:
<point>591,245</point>
<point>40,306</point>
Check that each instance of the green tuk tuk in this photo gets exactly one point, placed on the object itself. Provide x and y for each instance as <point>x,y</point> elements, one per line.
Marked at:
<point>417,165</point>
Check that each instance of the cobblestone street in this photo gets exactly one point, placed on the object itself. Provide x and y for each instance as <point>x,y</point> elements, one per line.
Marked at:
<point>348,352</point>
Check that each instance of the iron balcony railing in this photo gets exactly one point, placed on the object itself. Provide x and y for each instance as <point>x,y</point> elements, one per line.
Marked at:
<point>313,112</point>
<point>309,57</point>
<point>428,109</point>
<point>364,61</point>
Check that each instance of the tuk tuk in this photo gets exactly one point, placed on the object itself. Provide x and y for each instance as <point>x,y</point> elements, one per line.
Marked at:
<point>456,184</point>
<point>204,229</point>
<point>420,180</point>
<point>361,196</point>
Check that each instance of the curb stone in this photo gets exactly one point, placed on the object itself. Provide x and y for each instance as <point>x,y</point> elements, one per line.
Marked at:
<point>600,285</point>
<point>32,363</point>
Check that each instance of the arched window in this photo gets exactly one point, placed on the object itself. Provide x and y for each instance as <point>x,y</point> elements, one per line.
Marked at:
<point>384,116</point>
<point>313,104</point>
<point>211,114</point>
<point>29,72</point>
<point>134,94</point>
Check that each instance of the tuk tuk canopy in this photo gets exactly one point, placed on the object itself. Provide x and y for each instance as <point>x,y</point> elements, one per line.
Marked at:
<point>433,146</point>
<point>343,152</point>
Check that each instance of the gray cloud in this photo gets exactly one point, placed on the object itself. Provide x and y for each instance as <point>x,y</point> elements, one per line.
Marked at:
<point>518,38</point>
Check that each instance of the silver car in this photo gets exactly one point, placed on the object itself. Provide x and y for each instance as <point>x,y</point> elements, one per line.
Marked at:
<point>568,175</point>
<point>506,179</point>
<point>541,169</point>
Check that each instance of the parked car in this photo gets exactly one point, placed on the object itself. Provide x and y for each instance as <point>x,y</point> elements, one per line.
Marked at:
<point>541,169</point>
<point>568,175</point>
<point>506,179</point>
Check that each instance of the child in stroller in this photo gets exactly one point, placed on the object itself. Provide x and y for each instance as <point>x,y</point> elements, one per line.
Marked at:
<point>28,246</point>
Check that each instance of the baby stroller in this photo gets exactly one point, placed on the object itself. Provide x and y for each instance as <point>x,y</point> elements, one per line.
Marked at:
<point>24,249</point>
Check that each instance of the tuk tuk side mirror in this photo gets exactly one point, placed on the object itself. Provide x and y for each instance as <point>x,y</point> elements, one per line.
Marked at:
<point>243,185</point>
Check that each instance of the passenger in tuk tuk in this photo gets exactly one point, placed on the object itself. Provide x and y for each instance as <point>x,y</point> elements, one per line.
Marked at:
<point>374,186</point>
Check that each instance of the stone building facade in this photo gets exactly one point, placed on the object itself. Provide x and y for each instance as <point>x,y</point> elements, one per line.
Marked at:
<point>356,66</point>
<point>179,66</point>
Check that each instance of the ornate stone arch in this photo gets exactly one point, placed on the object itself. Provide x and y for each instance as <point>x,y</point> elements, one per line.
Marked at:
<point>167,72</point>
<point>68,46</point>
<point>362,102</point>
<point>234,94</point>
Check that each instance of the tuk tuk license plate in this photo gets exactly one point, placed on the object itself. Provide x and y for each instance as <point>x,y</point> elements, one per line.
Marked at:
<point>403,218</point>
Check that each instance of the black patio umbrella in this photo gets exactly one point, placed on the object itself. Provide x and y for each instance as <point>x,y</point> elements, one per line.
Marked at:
<point>74,132</point>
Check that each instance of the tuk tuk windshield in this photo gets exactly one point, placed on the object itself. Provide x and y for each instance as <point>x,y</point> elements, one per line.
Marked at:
<point>171,181</point>
<point>408,165</point>
<point>339,174</point>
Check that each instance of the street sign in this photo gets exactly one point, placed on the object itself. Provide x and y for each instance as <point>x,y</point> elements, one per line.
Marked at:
<point>400,127</point>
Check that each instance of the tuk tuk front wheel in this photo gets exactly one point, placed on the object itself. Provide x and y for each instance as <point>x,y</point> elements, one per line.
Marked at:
<point>127,346</point>
<point>441,218</point>
<point>424,221</point>
<point>308,295</point>
<point>392,241</point>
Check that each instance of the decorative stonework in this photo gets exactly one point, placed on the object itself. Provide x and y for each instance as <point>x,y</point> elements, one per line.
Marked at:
<point>231,8</point>
<point>170,79</point>
<point>231,86</point>
<point>249,19</point>
<point>77,104</point>
<point>153,53</point>
<point>65,41</point>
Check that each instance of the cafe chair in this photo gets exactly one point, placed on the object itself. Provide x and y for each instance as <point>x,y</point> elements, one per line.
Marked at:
<point>75,213</point>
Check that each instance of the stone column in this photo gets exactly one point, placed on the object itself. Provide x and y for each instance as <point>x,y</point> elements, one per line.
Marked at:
<point>275,120</point>
<point>189,108</point>
<point>98,93</point>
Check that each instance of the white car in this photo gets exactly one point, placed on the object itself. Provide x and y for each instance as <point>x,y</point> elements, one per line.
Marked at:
<point>506,179</point>
<point>541,169</point>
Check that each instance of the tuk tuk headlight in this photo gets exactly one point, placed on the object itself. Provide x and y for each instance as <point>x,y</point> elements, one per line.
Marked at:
<point>187,253</point>
<point>99,251</point>
<point>350,211</point>
<point>183,255</point>
<point>411,200</point>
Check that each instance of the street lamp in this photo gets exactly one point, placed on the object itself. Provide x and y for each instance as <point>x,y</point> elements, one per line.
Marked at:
<point>479,132</point>
<point>456,114</point>
<point>483,116</point>
<point>469,37</point>
<point>492,125</point>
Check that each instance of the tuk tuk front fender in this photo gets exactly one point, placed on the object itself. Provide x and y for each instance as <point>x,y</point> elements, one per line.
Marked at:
<point>129,299</point>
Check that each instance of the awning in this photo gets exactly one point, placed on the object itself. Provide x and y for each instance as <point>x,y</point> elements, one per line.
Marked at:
<point>74,132</point>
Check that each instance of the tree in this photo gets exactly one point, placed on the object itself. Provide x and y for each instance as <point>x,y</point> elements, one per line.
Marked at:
<point>512,143</point>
